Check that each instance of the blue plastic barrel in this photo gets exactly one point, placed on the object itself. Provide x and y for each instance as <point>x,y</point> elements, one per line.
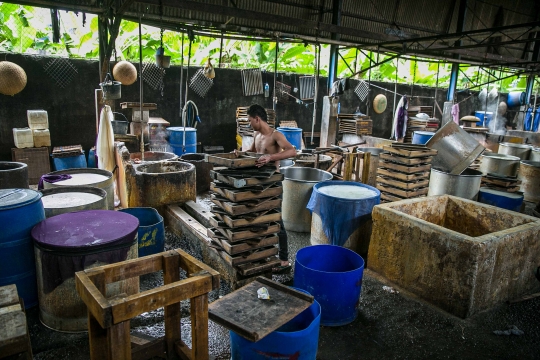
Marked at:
<point>70,162</point>
<point>92,160</point>
<point>151,231</point>
<point>293,135</point>
<point>485,118</point>
<point>421,137</point>
<point>20,210</point>
<point>176,140</point>
<point>297,339</point>
<point>515,98</point>
<point>333,275</point>
<point>502,199</point>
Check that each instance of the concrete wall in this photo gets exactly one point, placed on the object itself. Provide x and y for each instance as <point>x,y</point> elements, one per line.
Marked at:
<point>72,114</point>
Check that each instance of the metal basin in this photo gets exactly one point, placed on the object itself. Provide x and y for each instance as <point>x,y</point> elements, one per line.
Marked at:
<point>285,164</point>
<point>13,175</point>
<point>456,149</point>
<point>308,160</point>
<point>522,151</point>
<point>501,164</point>
<point>465,185</point>
<point>297,188</point>
<point>152,156</point>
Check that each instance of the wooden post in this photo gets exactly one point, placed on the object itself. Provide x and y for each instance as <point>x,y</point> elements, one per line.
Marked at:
<point>349,166</point>
<point>96,334</point>
<point>171,273</point>
<point>365,169</point>
<point>328,124</point>
<point>199,327</point>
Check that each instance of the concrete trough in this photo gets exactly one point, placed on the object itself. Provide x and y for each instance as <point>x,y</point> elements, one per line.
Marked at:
<point>460,255</point>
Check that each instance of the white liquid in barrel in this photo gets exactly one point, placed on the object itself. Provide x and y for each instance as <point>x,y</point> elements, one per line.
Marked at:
<point>83,179</point>
<point>347,192</point>
<point>71,199</point>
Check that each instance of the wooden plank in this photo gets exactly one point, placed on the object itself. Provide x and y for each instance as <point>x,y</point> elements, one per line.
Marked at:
<point>404,168</point>
<point>183,350</point>
<point>402,184</point>
<point>137,106</point>
<point>349,166</point>
<point>119,341</point>
<point>237,310</point>
<point>242,247</point>
<point>171,274</point>
<point>8,295</point>
<point>133,305</point>
<point>188,220</point>
<point>242,182</point>
<point>405,160</point>
<point>199,212</point>
<point>92,294</point>
<point>13,333</point>
<point>402,193</point>
<point>97,334</point>
<point>254,256</point>
<point>236,209</point>
<point>235,222</point>
<point>410,151</point>
<point>402,176</point>
<point>390,197</point>
<point>236,195</point>
<point>148,349</point>
<point>199,327</point>
<point>257,268</point>
<point>130,268</point>
<point>11,308</point>
<point>231,160</point>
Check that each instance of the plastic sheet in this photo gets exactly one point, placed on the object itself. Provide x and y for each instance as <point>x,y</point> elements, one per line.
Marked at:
<point>341,217</point>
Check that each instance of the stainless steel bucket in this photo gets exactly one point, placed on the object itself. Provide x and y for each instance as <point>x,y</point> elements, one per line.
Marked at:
<point>456,149</point>
<point>522,151</point>
<point>529,174</point>
<point>285,164</point>
<point>535,154</point>
<point>466,185</point>
<point>502,164</point>
<point>297,188</point>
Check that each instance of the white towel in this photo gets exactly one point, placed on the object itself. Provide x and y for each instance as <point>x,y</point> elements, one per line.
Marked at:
<point>105,140</point>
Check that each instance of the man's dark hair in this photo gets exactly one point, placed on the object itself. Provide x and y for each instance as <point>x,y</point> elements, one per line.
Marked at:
<point>257,110</point>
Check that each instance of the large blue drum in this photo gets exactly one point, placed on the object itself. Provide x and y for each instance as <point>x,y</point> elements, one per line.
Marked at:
<point>176,140</point>
<point>293,135</point>
<point>20,210</point>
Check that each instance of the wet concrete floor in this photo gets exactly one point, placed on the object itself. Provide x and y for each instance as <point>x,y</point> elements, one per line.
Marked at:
<point>390,325</point>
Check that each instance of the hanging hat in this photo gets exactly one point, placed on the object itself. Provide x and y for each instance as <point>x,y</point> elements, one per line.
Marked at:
<point>12,78</point>
<point>379,103</point>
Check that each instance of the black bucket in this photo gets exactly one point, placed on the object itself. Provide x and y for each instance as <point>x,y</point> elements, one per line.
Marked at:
<point>120,127</point>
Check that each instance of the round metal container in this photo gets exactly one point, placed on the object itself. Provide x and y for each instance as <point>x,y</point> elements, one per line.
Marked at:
<point>522,151</point>
<point>99,178</point>
<point>297,187</point>
<point>529,174</point>
<point>501,164</point>
<point>153,156</point>
<point>373,163</point>
<point>67,199</point>
<point>456,149</point>
<point>285,164</point>
<point>466,185</point>
<point>308,160</point>
<point>13,175</point>
<point>535,154</point>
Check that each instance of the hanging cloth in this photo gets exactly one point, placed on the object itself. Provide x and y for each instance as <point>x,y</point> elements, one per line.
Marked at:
<point>105,140</point>
<point>399,125</point>
<point>455,113</point>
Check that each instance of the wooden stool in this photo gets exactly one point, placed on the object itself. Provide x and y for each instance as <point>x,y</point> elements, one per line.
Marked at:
<point>14,337</point>
<point>109,318</point>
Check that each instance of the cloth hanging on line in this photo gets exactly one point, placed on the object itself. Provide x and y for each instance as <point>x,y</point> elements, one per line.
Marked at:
<point>105,140</point>
<point>399,125</point>
<point>455,113</point>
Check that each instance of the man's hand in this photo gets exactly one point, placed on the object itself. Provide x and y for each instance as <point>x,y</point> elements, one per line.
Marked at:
<point>265,159</point>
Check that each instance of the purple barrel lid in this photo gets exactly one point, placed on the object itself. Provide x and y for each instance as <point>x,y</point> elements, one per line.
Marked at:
<point>88,230</point>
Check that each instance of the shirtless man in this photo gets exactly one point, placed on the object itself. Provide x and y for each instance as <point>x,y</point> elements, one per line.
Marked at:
<point>275,147</point>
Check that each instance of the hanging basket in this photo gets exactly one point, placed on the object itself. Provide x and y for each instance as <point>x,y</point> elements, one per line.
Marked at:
<point>112,90</point>
<point>162,60</point>
<point>12,78</point>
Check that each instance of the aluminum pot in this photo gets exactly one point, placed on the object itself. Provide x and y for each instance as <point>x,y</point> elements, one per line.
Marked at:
<point>373,163</point>
<point>456,149</point>
<point>285,164</point>
<point>535,154</point>
<point>297,188</point>
<point>501,164</point>
<point>529,174</point>
<point>466,185</point>
<point>308,160</point>
<point>522,151</point>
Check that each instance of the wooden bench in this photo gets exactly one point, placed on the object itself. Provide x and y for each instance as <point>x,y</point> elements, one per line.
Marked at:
<point>14,337</point>
<point>109,318</point>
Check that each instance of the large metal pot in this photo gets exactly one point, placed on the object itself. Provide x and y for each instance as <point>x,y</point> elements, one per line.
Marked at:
<point>456,149</point>
<point>502,164</point>
<point>522,151</point>
<point>466,185</point>
<point>529,174</point>
<point>373,163</point>
<point>535,154</point>
<point>297,188</point>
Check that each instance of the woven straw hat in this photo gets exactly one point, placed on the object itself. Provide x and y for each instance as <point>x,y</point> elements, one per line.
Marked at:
<point>125,72</point>
<point>12,78</point>
<point>379,103</point>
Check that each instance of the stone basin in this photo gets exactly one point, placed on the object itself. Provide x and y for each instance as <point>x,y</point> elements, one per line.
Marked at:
<point>458,254</point>
<point>155,184</point>
<point>150,156</point>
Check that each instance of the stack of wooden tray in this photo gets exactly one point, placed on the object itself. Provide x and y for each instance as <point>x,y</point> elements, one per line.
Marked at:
<point>403,171</point>
<point>501,183</point>
<point>355,124</point>
<point>67,151</point>
<point>242,123</point>
<point>246,212</point>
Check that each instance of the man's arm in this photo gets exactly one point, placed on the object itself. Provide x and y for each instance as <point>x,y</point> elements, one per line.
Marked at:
<point>288,150</point>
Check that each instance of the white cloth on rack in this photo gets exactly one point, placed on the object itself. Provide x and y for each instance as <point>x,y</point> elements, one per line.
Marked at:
<point>403,104</point>
<point>105,140</point>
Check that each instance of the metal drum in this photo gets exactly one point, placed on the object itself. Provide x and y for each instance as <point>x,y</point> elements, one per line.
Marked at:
<point>501,164</point>
<point>72,242</point>
<point>13,175</point>
<point>522,151</point>
<point>99,178</point>
<point>297,187</point>
<point>529,174</point>
<point>67,199</point>
<point>466,185</point>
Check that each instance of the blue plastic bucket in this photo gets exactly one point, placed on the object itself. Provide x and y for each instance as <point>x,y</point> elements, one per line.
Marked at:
<point>151,231</point>
<point>515,98</point>
<point>71,162</point>
<point>421,137</point>
<point>297,339</point>
<point>333,275</point>
<point>176,140</point>
<point>505,200</point>
<point>20,210</point>
<point>293,135</point>
<point>485,118</point>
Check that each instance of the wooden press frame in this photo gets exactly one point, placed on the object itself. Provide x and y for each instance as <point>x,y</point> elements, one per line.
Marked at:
<point>109,318</point>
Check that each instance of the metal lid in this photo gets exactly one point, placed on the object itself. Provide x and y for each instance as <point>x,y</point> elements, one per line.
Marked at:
<point>520,146</point>
<point>14,198</point>
<point>86,231</point>
<point>501,156</point>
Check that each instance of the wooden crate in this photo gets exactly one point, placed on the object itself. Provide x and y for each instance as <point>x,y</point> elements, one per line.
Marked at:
<point>224,219</point>
<point>14,337</point>
<point>37,159</point>
<point>237,195</point>
<point>246,207</point>
<point>250,232</point>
